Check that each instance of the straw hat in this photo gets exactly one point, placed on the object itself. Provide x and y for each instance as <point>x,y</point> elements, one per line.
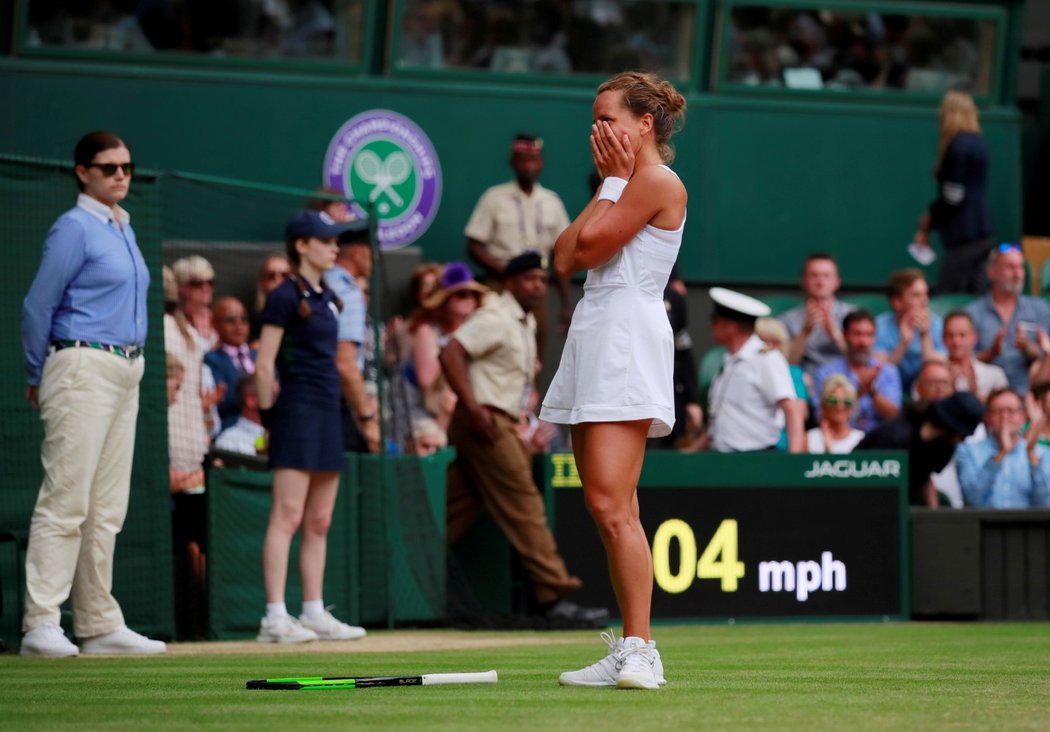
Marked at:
<point>455,277</point>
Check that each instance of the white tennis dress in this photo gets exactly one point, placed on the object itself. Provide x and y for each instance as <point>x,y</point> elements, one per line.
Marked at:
<point>618,362</point>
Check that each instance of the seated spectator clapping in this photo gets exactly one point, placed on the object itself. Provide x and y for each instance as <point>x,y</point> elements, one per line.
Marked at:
<point>878,384</point>
<point>1006,469</point>
<point>969,373</point>
<point>909,333</point>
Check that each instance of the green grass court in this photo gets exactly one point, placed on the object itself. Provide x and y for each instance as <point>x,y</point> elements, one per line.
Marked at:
<point>773,677</point>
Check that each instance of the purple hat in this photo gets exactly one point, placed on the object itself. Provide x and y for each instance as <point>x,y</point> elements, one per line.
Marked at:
<point>456,276</point>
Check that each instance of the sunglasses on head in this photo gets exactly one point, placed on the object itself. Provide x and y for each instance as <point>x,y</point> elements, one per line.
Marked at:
<point>201,283</point>
<point>109,170</point>
<point>1008,247</point>
<point>836,401</point>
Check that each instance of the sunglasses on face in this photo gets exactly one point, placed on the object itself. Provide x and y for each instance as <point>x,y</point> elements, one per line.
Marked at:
<point>234,319</point>
<point>201,283</point>
<point>109,170</point>
<point>270,276</point>
<point>836,402</point>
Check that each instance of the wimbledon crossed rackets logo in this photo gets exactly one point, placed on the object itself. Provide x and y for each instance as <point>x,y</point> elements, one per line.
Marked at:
<point>384,159</point>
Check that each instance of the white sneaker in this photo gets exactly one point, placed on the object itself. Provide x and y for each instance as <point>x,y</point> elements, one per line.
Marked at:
<point>606,672</point>
<point>122,640</point>
<point>284,629</point>
<point>638,665</point>
<point>48,640</point>
<point>603,673</point>
<point>328,628</point>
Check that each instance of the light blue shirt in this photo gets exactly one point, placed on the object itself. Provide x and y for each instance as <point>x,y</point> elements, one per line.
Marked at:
<point>986,319</point>
<point>1013,483</point>
<point>91,285</point>
<point>863,417</point>
<point>888,335</point>
<point>353,319</point>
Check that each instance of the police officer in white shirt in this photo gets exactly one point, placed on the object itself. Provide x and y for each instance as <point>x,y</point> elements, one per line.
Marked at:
<point>752,385</point>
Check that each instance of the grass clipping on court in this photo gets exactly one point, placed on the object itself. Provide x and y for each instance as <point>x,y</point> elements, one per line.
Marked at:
<point>804,677</point>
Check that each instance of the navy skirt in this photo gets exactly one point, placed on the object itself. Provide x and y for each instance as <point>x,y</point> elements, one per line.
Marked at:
<point>307,432</point>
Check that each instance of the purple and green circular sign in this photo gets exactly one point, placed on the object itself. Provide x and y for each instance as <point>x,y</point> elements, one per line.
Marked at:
<point>384,159</point>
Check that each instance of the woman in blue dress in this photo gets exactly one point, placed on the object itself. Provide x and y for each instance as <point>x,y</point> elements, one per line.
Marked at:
<point>298,345</point>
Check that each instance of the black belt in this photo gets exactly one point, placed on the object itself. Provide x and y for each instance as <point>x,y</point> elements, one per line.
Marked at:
<point>128,352</point>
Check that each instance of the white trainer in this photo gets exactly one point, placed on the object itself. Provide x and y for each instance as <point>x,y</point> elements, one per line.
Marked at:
<point>603,673</point>
<point>48,640</point>
<point>606,672</point>
<point>638,665</point>
<point>284,629</point>
<point>328,628</point>
<point>122,640</point>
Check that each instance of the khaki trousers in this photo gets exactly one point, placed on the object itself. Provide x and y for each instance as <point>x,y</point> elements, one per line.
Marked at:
<point>89,401</point>
<point>498,478</point>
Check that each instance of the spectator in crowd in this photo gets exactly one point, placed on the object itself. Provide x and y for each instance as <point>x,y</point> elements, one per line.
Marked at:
<point>688,415</point>
<point>196,280</point>
<point>427,437</point>
<point>878,384</point>
<point>960,211</point>
<point>188,444</point>
<point>1039,371</point>
<point>835,435</point>
<point>517,216</point>
<point>247,435</point>
<point>232,358</point>
<point>447,308</point>
<point>1006,469</point>
<point>754,384</point>
<point>299,344</point>
<point>173,377</point>
<point>272,272</point>
<point>775,335</point>
<point>815,327</point>
<point>1039,410</point>
<point>1007,321</point>
<point>331,202</point>
<point>929,433</point>
<point>83,328</point>
<point>933,382</point>
<point>969,373</point>
<point>360,420</point>
<point>489,363</point>
<point>422,283</point>
<point>908,333</point>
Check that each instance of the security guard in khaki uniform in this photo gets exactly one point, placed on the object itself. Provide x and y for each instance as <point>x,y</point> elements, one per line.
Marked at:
<point>753,384</point>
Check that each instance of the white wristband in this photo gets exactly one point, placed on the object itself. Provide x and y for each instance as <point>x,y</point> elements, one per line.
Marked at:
<point>612,189</point>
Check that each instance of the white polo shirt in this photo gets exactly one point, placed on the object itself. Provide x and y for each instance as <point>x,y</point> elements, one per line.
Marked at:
<point>744,396</point>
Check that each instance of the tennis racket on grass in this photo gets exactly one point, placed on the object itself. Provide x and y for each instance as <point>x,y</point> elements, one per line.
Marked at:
<point>367,682</point>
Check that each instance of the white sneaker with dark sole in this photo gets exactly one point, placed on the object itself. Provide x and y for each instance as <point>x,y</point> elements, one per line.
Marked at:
<point>48,640</point>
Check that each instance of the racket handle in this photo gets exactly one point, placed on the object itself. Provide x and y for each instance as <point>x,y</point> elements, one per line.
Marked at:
<point>486,677</point>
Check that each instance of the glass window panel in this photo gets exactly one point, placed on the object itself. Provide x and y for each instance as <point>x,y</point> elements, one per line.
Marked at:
<point>289,29</point>
<point>846,50</point>
<point>547,36</point>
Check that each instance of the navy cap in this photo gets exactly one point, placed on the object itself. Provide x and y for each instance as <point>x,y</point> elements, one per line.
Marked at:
<point>961,412</point>
<point>530,259</point>
<point>317,224</point>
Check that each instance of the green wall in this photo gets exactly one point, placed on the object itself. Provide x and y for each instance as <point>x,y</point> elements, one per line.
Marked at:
<point>770,178</point>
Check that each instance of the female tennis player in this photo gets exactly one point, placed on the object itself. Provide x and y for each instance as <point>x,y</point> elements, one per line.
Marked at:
<point>614,382</point>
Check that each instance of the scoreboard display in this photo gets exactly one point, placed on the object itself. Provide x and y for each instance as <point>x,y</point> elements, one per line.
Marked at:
<point>754,536</point>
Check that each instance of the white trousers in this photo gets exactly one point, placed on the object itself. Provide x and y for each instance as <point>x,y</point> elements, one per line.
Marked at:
<point>89,401</point>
